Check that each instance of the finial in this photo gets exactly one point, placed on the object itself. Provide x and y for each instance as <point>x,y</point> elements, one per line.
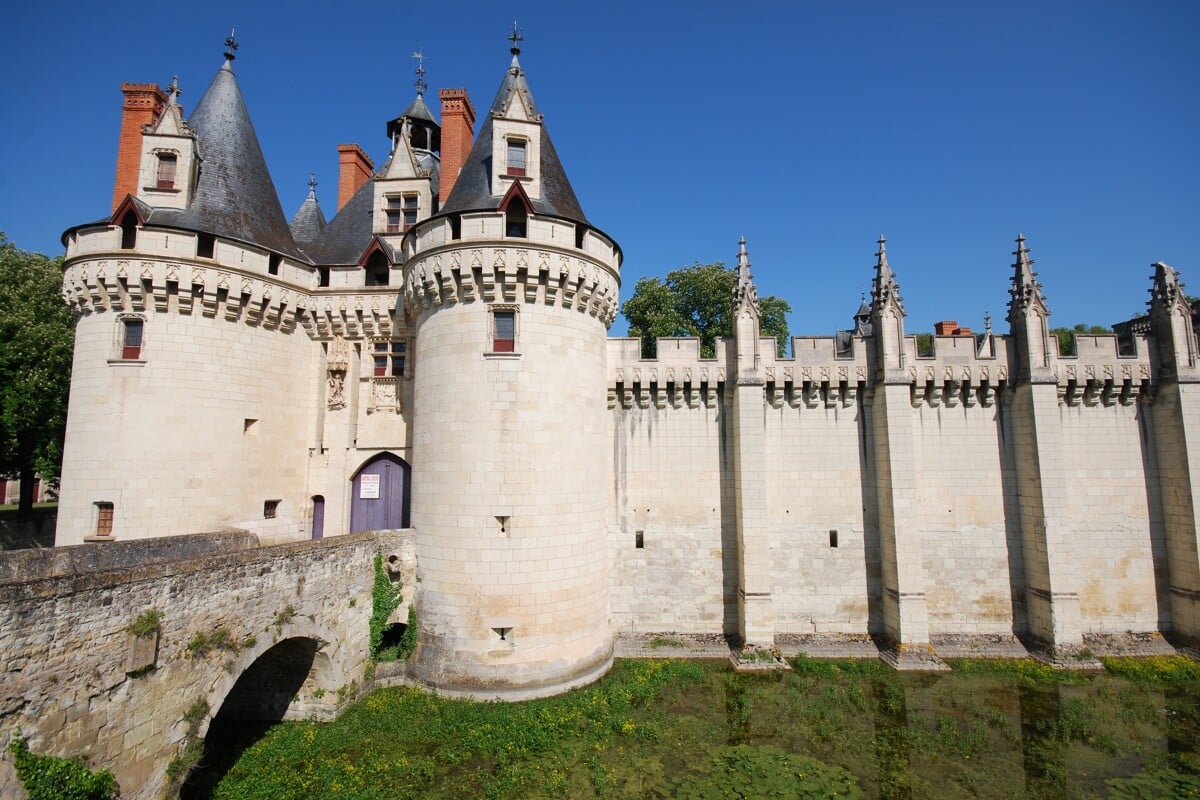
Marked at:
<point>173,91</point>
<point>515,37</point>
<point>420,84</point>
<point>231,45</point>
<point>987,322</point>
<point>881,254</point>
<point>1022,252</point>
<point>312,185</point>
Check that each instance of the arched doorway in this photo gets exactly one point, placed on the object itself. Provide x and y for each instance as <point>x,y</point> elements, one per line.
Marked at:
<point>380,494</point>
<point>318,516</point>
<point>259,699</point>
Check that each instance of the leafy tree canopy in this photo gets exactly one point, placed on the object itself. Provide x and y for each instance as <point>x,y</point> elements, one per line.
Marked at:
<point>36,340</point>
<point>697,301</point>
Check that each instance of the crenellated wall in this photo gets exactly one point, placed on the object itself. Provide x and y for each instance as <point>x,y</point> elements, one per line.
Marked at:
<point>957,554</point>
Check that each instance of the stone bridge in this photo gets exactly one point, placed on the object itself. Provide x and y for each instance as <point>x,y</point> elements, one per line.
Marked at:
<point>244,632</point>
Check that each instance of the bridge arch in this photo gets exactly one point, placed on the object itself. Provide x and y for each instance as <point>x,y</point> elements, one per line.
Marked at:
<point>289,675</point>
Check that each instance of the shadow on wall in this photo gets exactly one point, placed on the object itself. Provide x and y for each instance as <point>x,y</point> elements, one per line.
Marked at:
<point>34,531</point>
<point>258,700</point>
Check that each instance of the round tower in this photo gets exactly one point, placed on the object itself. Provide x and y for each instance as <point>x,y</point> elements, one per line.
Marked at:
<point>510,292</point>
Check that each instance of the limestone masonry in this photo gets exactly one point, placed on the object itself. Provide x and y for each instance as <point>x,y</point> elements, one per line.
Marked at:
<point>435,357</point>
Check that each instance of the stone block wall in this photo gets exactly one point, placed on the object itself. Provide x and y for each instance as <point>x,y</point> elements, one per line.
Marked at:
<point>72,683</point>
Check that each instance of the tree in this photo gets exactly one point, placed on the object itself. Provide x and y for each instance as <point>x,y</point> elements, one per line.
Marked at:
<point>36,341</point>
<point>697,301</point>
<point>1066,336</point>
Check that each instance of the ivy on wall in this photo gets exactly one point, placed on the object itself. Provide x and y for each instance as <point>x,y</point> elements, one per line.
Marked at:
<point>54,778</point>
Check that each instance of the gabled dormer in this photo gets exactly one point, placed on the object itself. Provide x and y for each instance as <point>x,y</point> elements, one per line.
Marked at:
<point>167,170</point>
<point>516,135</point>
<point>404,190</point>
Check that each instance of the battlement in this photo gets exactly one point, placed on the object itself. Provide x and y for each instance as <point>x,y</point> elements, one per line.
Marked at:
<point>960,369</point>
<point>511,274</point>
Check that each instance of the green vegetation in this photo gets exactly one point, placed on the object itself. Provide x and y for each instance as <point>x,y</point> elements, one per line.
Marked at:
<point>37,336</point>
<point>53,778</point>
<point>1000,730</point>
<point>193,748</point>
<point>220,639</point>
<point>1066,336</point>
<point>697,301</point>
<point>284,616</point>
<point>386,598</point>
<point>147,623</point>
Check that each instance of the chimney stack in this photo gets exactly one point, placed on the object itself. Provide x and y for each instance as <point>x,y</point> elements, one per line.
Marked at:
<point>354,169</point>
<point>458,133</point>
<point>143,103</point>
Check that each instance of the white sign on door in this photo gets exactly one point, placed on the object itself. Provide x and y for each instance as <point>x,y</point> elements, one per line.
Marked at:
<point>368,487</point>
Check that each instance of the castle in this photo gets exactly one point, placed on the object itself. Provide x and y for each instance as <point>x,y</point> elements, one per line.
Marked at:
<point>435,357</point>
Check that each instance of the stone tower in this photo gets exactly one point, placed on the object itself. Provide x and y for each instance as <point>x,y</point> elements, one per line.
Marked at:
<point>510,291</point>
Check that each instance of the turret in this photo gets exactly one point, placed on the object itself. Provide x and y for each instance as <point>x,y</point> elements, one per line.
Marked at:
<point>510,291</point>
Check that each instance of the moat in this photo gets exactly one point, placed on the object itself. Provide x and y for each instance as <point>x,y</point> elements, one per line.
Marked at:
<point>672,728</point>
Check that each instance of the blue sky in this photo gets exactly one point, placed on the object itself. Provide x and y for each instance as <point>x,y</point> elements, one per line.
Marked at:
<point>809,128</point>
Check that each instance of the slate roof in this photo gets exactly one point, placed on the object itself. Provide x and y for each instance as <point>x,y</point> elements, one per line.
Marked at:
<point>473,190</point>
<point>348,233</point>
<point>235,197</point>
<point>309,220</point>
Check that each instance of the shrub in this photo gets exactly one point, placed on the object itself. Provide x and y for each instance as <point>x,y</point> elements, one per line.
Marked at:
<point>385,598</point>
<point>147,623</point>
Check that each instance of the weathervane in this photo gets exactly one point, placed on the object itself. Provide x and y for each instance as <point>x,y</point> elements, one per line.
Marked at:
<point>231,45</point>
<point>420,84</point>
<point>515,37</point>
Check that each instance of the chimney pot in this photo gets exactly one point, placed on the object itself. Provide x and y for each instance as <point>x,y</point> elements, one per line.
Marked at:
<point>354,170</point>
<point>143,103</point>
<point>458,134</point>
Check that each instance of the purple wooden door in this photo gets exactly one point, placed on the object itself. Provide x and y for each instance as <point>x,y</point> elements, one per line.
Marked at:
<point>379,495</point>
<point>318,529</point>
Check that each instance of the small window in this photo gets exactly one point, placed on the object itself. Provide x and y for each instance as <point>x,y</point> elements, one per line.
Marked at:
<point>104,519</point>
<point>516,220</point>
<point>322,277</point>
<point>401,212</point>
<point>132,331</point>
<point>377,270</point>
<point>165,178</point>
<point>270,508</point>
<point>455,227</point>
<point>504,331</point>
<point>516,157</point>
<point>129,231</point>
<point>389,358</point>
<point>206,245</point>
<point>273,263</point>
<point>410,210</point>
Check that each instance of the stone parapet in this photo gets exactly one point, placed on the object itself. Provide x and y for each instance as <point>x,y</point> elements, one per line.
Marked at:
<point>511,274</point>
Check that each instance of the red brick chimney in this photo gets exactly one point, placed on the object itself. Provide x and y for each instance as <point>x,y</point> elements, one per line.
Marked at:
<point>458,133</point>
<point>143,103</point>
<point>354,169</point>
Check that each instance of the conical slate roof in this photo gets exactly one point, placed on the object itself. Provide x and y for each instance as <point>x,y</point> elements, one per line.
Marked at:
<point>473,191</point>
<point>309,221</point>
<point>347,235</point>
<point>235,197</point>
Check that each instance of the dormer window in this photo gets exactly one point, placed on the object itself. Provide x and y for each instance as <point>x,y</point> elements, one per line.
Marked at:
<point>377,269</point>
<point>516,220</point>
<point>515,161</point>
<point>401,212</point>
<point>165,176</point>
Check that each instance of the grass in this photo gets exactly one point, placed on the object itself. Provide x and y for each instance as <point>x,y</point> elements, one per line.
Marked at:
<point>671,728</point>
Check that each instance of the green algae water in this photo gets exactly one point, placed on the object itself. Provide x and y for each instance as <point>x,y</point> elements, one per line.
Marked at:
<point>696,729</point>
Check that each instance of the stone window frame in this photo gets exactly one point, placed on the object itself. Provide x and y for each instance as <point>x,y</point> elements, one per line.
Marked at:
<point>123,351</point>
<point>390,355</point>
<point>401,211</point>
<point>503,346</point>
<point>514,143</point>
<point>164,180</point>
<point>105,512</point>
